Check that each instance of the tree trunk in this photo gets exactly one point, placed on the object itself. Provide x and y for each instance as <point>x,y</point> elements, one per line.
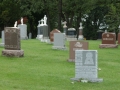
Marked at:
<point>59,14</point>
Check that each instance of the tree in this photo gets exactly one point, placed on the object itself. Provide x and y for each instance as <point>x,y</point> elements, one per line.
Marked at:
<point>9,12</point>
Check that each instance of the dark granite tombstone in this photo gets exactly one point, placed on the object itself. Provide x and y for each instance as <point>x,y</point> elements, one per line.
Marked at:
<point>99,34</point>
<point>71,32</point>
<point>76,45</point>
<point>12,42</point>
<point>108,40</point>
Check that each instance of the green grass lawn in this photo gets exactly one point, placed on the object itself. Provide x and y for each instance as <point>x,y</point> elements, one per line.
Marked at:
<point>43,68</point>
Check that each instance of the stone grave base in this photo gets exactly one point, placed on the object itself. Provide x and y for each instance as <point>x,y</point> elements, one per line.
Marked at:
<point>2,44</point>
<point>87,80</point>
<point>13,53</point>
<point>71,60</point>
<point>71,39</point>
<point>59,47</point>
<point>108,46</point>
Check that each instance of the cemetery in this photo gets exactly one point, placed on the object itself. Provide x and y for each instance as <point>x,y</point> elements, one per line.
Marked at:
<point>71,47</point>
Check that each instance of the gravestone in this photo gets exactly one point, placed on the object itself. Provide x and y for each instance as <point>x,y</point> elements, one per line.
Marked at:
<point>71,34</point>
<point>40,31</point>
<point>76,45</point>
<point>3,39</point>
<point>86,66</point>
<point>23,31</point>
<point>118,38</point>
<point>12,42</point>
<point>59,41</point>
<point>52,34</point>
<point>99,34</point>
<point>30,35</point>
<point>108,40</point>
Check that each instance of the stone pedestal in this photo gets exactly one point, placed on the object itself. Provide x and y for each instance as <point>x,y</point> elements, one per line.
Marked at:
<point>13,53</point>
<point>23,31</point>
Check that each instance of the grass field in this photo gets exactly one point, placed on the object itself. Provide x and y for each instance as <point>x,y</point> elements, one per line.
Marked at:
<point>43,68</point>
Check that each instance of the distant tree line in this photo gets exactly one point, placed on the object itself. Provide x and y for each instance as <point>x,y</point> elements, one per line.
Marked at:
<point>94,14</point>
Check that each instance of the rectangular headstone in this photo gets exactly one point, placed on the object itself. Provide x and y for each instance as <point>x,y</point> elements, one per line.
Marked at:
<point>12,38</point>
<point>108,38</point>
<point>23,31</point>
<point>86,65</point>
<point>59,41</point>
<point>45,31</point>
<point>76,45</point>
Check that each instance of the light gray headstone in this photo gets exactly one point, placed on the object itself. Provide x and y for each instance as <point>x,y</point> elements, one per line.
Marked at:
<point>86,65</point>
<point>59,41</point>
<point>23,31</point>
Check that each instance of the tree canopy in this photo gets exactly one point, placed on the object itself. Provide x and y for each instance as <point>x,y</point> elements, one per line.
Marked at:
<point>92,13</point>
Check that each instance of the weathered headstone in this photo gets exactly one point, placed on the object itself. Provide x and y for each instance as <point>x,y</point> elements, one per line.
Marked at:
<point>108,40</point>
<point>59,41</point>
<point>86,66</point>
<point>3,39</point>
<point>52,34</point>
<point>12,42</point>
<point>76,45</point>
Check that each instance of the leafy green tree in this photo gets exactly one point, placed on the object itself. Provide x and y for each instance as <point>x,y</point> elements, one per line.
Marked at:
<point>9,12</point>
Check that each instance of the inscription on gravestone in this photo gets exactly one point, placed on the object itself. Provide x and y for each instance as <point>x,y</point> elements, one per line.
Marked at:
<point>12,38</point>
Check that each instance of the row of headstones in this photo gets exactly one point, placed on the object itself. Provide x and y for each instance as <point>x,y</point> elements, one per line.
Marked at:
<point>85,60</point>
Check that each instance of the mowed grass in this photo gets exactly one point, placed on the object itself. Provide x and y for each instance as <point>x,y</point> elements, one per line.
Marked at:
<point>43,68</point>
